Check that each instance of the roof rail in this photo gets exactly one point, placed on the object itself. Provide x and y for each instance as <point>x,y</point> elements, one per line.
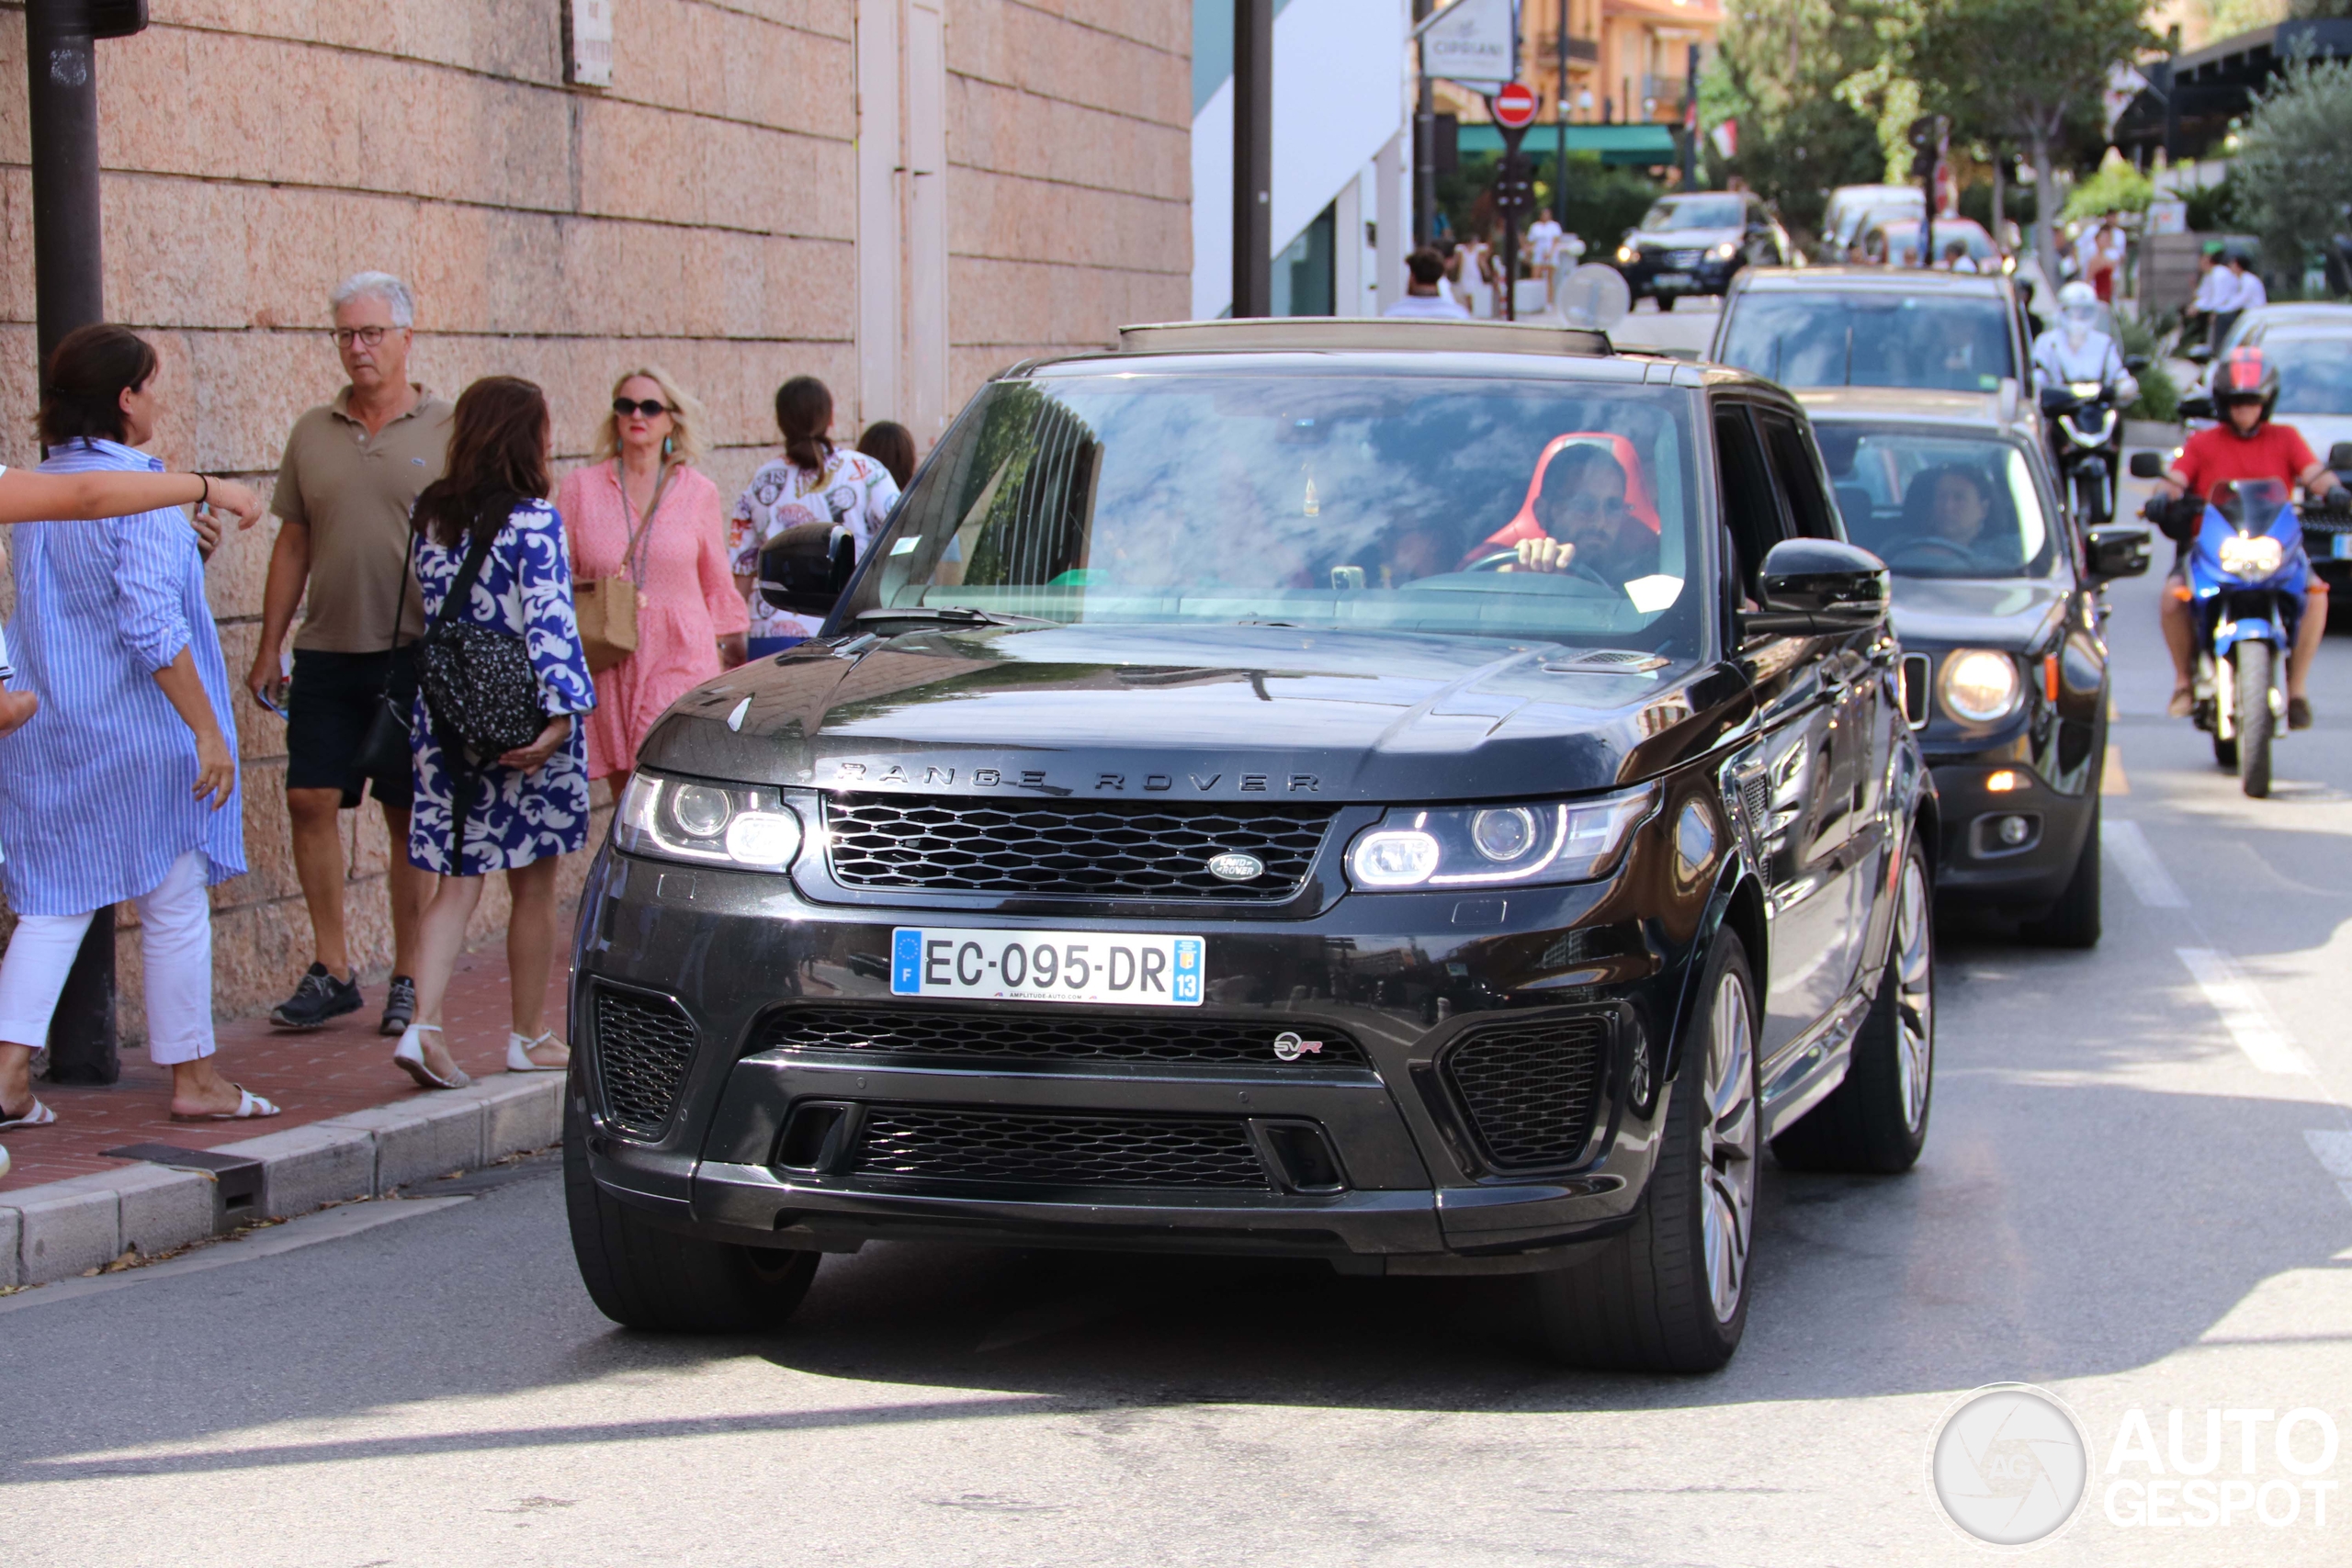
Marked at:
<point>1328,333</point>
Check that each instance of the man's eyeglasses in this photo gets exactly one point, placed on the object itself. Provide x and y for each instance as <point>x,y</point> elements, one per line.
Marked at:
<point>651,407</point>
<point>1583,504</point>
<point>369,337</point>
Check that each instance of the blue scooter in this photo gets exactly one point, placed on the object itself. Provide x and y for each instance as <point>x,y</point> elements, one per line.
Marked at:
<point>2247,577</point>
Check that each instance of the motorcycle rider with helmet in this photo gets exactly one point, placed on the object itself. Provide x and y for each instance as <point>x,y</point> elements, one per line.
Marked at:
<point>2247,444</point>
<point>2075,350</point>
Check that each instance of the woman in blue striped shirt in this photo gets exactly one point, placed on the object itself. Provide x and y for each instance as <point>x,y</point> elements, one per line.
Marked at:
<point>123,785</point>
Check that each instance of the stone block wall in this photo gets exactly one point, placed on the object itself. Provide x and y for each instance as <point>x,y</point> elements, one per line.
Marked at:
<point>700,213</point>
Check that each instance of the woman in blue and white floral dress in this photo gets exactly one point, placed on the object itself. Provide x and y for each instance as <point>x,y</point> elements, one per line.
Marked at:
<point>530,806</point>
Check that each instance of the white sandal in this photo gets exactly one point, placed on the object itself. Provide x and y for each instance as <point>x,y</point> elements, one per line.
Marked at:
<point>39,1116</point>
<point>249,1106</point>
<point>519,1058</point>
<point>408,1056</point>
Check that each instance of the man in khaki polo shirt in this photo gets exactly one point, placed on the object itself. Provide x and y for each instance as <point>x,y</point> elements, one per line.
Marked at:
<point>352,470</point>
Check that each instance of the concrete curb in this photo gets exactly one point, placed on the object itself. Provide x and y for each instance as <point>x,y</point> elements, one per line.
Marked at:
<point>62,1229</point>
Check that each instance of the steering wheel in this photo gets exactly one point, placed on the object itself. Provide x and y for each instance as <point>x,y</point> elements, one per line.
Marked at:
<point>1957,552</point>
<point>1502,559</point>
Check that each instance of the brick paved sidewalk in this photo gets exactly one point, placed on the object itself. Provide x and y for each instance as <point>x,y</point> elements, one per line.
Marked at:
<point>346,1067</point>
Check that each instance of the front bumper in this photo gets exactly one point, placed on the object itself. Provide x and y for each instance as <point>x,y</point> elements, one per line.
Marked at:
<point>1412,979</point>
<point>1979,866</point>
<point>1655,272</point>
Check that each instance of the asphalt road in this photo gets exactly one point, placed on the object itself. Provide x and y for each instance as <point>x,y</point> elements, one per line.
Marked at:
<point>2126,1198</point>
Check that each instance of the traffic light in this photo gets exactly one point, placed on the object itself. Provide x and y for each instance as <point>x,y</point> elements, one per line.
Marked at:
<point>1515,185</point>
<point>1925,135</point>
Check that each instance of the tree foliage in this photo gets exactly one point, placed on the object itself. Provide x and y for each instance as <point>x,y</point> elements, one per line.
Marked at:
<point>2294,182</point>
<point>2015,72</point>
<point>1784,71</point>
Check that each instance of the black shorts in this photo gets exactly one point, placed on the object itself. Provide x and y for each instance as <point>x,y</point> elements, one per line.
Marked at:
<point>328,710</point>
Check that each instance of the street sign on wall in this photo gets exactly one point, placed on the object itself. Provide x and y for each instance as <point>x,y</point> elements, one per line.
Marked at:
<point>588,42</point>
<point>1472,42</point>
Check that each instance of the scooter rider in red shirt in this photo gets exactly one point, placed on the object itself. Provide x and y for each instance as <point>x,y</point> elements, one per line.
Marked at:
<point>2246,445</point>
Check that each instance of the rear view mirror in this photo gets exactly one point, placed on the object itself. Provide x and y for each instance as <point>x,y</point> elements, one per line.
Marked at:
<point>2198,353</point>
<point>803,569</point>
<point>2118,549</point>
<point>2147,466</point>
<point>2135,363</point>
<point>2340,455</point>
<point>2197,405</point>
<point>1818,587</point>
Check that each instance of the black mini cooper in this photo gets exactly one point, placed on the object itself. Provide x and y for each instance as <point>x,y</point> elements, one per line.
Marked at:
<point>1429,797</point>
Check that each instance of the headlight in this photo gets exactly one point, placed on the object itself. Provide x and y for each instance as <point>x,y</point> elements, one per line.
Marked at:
<point>2084,388</point>
<point>2254,558</point>
<point>714,824</point>
<point>1627,254</point>
<point>1725,251</point>
<point>1484,846</point>
<point>1980,686</point>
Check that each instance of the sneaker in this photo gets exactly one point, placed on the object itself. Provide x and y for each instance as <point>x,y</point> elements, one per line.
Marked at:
<point>400,1006</point>
<point>319,997</point>
<point>2298,713</point>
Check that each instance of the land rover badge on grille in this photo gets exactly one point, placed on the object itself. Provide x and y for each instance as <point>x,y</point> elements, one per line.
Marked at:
<point>1234,866</point>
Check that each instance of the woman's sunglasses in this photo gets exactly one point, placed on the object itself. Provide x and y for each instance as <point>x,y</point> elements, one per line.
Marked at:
<point>649,408</point>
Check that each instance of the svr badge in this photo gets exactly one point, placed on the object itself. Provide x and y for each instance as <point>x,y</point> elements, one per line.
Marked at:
<point>1289,1047</point>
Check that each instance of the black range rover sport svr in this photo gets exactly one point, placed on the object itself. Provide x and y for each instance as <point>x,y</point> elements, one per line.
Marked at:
<point>1431,796</point>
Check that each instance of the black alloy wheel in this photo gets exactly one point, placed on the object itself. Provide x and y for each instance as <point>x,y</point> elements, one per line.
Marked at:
<point>643,1275</point>
<point>1670,1294</point>
<point>1876,1121</point>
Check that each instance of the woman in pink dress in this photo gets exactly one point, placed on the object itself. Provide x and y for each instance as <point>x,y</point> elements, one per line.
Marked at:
<point>645,513</point>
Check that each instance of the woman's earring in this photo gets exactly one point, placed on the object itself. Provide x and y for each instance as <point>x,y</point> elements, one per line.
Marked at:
<point>669,445</point>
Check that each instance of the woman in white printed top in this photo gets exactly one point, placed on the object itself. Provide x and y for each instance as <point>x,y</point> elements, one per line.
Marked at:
<point>814,481</point>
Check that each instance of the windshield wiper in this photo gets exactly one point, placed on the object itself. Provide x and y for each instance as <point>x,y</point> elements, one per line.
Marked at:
<point>954,614</point>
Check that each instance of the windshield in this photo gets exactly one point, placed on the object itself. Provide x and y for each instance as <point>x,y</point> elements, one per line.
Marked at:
<point>1397,504</point>
<point>2314,373</point>
<point>1704,212</point>
<point>1937,505</point>
<point>1879,337</point>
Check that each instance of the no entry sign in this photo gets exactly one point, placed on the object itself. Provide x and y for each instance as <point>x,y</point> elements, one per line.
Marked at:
<point>1515,106</point>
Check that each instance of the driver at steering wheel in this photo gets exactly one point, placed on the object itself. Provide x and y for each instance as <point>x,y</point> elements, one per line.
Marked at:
<point>1952,510</point>
<point>1586,523</point>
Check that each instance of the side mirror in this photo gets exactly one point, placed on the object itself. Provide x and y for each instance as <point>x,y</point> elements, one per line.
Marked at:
<point>1818,587</point>
<point>2118,549</point>
<point>2197,405</point>
<point>2198,353</point>
<point>803,569</point>
<point>2340,455</point>
<point>2147,466</point>
<point>2135,363</point>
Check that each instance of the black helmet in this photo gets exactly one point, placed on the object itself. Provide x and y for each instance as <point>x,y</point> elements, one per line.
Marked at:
<point>2245,373</point>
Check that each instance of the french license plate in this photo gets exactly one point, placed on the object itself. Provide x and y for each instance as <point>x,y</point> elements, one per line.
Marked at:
<point>1671,280</point>
<point>1047,967</point>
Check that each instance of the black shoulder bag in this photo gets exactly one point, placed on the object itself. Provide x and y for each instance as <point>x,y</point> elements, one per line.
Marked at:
<point>478,687</point>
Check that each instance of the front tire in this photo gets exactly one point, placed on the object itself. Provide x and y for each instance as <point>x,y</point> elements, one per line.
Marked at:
<point>1670,1294</point>
<point>2256,721</point>
<point>1666,301</point>
<point>1876,1121</point>
<point>2073,920</point>
<point>642,1276</point>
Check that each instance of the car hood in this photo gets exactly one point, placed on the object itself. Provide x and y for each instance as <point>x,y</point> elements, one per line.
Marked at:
<point>2006,612</point>
<point>1206,713</point>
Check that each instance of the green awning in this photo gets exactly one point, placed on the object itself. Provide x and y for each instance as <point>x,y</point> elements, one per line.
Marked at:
<point>1638,145</point>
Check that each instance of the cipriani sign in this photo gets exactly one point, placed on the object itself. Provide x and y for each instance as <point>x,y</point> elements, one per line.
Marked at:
<point>1475,42</point>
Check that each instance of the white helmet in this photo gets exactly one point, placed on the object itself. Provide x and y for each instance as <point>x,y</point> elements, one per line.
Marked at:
<point>2077,311</point>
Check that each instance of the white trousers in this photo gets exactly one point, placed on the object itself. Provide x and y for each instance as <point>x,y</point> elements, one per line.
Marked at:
<point>175,942</point>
